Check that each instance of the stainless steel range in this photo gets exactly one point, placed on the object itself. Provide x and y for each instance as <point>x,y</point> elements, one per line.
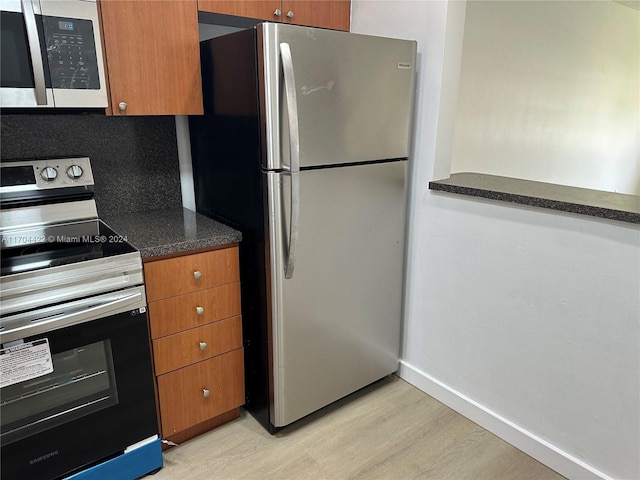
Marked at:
<point>76,379</point>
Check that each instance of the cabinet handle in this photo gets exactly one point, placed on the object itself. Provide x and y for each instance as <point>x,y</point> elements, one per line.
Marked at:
<point>122,106</point>
<point>197,274</point>
<point>199,310</point>
<point>205,392</point>
<point>203,345</point>
<point>290,14</point>
<point>277,12</point>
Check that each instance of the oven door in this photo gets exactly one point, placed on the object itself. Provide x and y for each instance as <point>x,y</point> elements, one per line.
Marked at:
<point>75,396</point>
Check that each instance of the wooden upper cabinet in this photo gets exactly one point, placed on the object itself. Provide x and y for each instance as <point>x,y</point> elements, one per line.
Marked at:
<point>261,9</point>
<point>335,14</point>
<point>152,56</point>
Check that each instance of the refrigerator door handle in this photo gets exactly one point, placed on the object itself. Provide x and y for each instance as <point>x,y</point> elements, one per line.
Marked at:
<point>294,145</point>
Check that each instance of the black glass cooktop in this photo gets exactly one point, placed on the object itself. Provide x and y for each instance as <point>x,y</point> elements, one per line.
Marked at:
<point>62,245</point>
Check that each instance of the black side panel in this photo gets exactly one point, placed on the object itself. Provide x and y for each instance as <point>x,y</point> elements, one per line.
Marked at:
<point>226,151</point>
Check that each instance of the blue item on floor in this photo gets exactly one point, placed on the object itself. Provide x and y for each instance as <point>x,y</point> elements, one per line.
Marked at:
<point>128,466</point>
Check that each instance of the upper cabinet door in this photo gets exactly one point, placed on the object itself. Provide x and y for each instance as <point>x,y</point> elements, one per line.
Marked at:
<point>152,55</point>
<point>335,14</point>
<point>261,9</point>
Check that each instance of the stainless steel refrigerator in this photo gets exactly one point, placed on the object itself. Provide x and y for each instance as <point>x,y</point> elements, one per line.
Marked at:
<point>303,148</point>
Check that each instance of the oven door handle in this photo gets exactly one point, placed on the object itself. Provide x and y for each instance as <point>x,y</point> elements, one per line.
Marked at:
<point>78,312</point>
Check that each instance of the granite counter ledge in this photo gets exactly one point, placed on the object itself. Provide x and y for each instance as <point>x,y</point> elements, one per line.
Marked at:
<point>171,231</point>
<point>583,201</point>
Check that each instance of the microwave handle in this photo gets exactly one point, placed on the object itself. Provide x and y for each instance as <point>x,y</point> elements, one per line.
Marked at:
<point>34,49</point>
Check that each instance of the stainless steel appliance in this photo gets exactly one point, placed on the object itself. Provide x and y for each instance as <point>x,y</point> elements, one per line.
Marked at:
<point>303,147</point>
<point>51,54</point>
<point>76,374</point>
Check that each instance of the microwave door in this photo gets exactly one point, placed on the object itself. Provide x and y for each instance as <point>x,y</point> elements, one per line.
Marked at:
<point>23,62</point>
<point>51,54</point>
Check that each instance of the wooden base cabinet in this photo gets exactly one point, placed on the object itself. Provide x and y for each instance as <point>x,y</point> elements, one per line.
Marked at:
<point>196,331</point>
<point>197,344</point>
<point>201,391</point>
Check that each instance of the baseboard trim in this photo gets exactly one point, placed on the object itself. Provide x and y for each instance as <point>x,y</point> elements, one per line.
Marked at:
<point>543,451</point>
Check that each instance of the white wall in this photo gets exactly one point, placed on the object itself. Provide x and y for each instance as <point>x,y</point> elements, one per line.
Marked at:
<point>549,91</point>
<point>525,320</point>
<point>184,158</point>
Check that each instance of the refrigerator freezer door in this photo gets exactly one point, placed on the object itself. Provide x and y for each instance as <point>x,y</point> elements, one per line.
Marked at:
<point>354,95</point>
<point>336,323</point>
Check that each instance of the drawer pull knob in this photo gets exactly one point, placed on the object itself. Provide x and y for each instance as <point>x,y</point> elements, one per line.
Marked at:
<point>197,274</point>
<point>205,392</point>
<point>203,345</point>
<point>199,310</point>
<point>277,12</point>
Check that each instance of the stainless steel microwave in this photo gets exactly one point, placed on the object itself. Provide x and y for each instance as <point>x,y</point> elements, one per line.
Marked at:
<point>51,54</point>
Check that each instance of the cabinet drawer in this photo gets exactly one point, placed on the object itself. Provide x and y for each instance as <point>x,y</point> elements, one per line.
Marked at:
<point>190,273</point>
<point>204,390</point>
<point>182,349</point>
<point>192,310</point>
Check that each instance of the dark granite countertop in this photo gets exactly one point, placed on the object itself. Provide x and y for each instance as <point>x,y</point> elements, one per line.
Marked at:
<point>596,203</point>
<point>170,231</point>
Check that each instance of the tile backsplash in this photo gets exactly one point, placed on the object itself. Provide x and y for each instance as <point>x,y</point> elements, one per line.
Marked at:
<point>134,159</point>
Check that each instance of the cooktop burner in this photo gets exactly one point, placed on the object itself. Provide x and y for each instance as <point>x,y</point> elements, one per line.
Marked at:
<point>64,248</point>
<point>31,258</point>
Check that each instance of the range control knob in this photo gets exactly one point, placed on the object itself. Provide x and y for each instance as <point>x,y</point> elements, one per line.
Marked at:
<point>74,172</point>
<point>49,174</point>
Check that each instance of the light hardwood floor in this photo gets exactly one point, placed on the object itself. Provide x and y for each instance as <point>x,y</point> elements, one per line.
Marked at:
<point>389,430</point>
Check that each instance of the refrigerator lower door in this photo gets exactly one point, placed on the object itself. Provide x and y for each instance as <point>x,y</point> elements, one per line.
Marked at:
<point>336,322</point>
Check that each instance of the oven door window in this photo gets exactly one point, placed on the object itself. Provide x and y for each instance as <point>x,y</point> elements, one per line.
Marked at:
<point>82,382</point>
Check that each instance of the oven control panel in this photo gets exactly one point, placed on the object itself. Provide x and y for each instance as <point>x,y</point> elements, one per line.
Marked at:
<point>26,175</point>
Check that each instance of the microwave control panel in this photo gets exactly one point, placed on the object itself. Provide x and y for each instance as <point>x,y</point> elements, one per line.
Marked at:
<point>71,53</point>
